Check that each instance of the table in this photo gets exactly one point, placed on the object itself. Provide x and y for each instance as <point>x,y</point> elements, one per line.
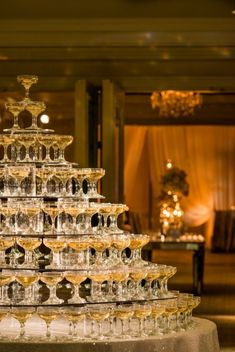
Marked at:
<point>203,338</point>
<point>198,249</point>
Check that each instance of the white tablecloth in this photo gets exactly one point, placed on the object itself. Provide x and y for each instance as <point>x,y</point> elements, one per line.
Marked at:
<point>203,338</point>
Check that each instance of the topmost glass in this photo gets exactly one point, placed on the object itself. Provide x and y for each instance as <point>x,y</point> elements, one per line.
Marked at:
<point>35,108</point>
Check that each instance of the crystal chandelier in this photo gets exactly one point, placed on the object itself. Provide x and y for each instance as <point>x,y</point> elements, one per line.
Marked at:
<point>173,103</point>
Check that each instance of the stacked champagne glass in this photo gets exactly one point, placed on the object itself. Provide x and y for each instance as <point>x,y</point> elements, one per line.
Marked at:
<point>67,269</point>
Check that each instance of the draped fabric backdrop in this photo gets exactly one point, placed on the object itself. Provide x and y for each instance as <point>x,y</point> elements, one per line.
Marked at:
<point>205,153</point>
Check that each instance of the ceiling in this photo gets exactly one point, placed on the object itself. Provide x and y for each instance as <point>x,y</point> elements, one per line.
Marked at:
<point>140,45</point>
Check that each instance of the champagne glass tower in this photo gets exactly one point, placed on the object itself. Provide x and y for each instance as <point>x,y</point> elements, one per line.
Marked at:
<point>91,274</point>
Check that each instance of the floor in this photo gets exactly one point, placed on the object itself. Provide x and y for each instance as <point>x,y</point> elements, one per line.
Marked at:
<point>218,297</point>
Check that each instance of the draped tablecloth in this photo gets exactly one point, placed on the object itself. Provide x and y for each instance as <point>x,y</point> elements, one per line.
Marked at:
<point>202,338</point>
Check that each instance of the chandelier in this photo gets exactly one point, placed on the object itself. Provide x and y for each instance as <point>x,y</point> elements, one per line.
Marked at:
<point>172,103</point>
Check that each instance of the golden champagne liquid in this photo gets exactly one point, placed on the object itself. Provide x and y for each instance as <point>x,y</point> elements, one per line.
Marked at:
<point>26,280</point>
<point>5,280</point>
<point>96,175</point>
<point>161,276</point>
<point>48,317</point>
<point>193,304</point>
<point>19,173</point>
<point>182,309</point>
<point>6,243</point>
<point>32,211</point>
<point>170,310</point>
<point>50,280</point>
<point>74,211</point>
<point>190,303</point>
<point>141,313</point>
<point>137,276</point>
<point>105,210</point>
<point>21,316</point>
<point>99,315</point>
<point>55,245</point>
<point>46,140</point>
<point>79,246</point>
<point>74,316</point>
<point>152,275</point>
<point>99,277</point>
<point>90,211</point>
<point>52,211</point>
<point>100,246</point>
<point>29,243</point>
<point>120,244</point>
<point>75,278</point>
<point>156,311</point>
<point>119,277</point>
<point>123,314</point>
<point>135,243</point>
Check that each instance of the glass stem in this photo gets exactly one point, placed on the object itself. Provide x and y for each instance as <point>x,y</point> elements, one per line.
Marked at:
<point>34,122</point>
<point>22,329</point>
<point>48,333</point>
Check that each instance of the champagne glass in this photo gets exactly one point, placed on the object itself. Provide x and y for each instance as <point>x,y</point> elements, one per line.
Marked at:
<point>48,314</point>
<point>27,81</point>
<point>192,303</point>
<point>137,242</point>
<point>35,108</point>
<point>169,272</point>
<point>80,175</point>
<point>115,212</point>
<point>76,278</point>
<point>100,244</point>
<point>63,173</point>
<point>92,179</point>
<point>81,246</point>
<point>19,173</point>
<point>97,278</point>
<point>141,312</point>
<point>22,314</point>
<point>10,218</point>
<point>74,316</point>
<point>32,213</point>
<point>119,276</point>
<point>53,212</point>
<point>62,141</point>
<point>119,243</point>
<point>74,212</point>
<point>29,244</point>
<point>85,224</point>
<point>26,140</point>
<point>98,313</point>
<point>5,141</point>
<point>27,278</point>
<point>47,141</point>
<point>137,275</point>
<point>51,279</point>
<point>157,311</point>
<point>153,273</point>
<point>6,277</point>
<point>158,282</point>
<point>5,243</point>
<point>15,108</point>
<point>105,210</point>
<point>44,174</point>
<point>182,307</point>
<point>56,245</point>
<point>124,313</point>
<point>171,309</point>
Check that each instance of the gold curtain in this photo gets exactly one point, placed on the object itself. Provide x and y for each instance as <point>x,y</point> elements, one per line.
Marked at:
<point>206,153</point>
